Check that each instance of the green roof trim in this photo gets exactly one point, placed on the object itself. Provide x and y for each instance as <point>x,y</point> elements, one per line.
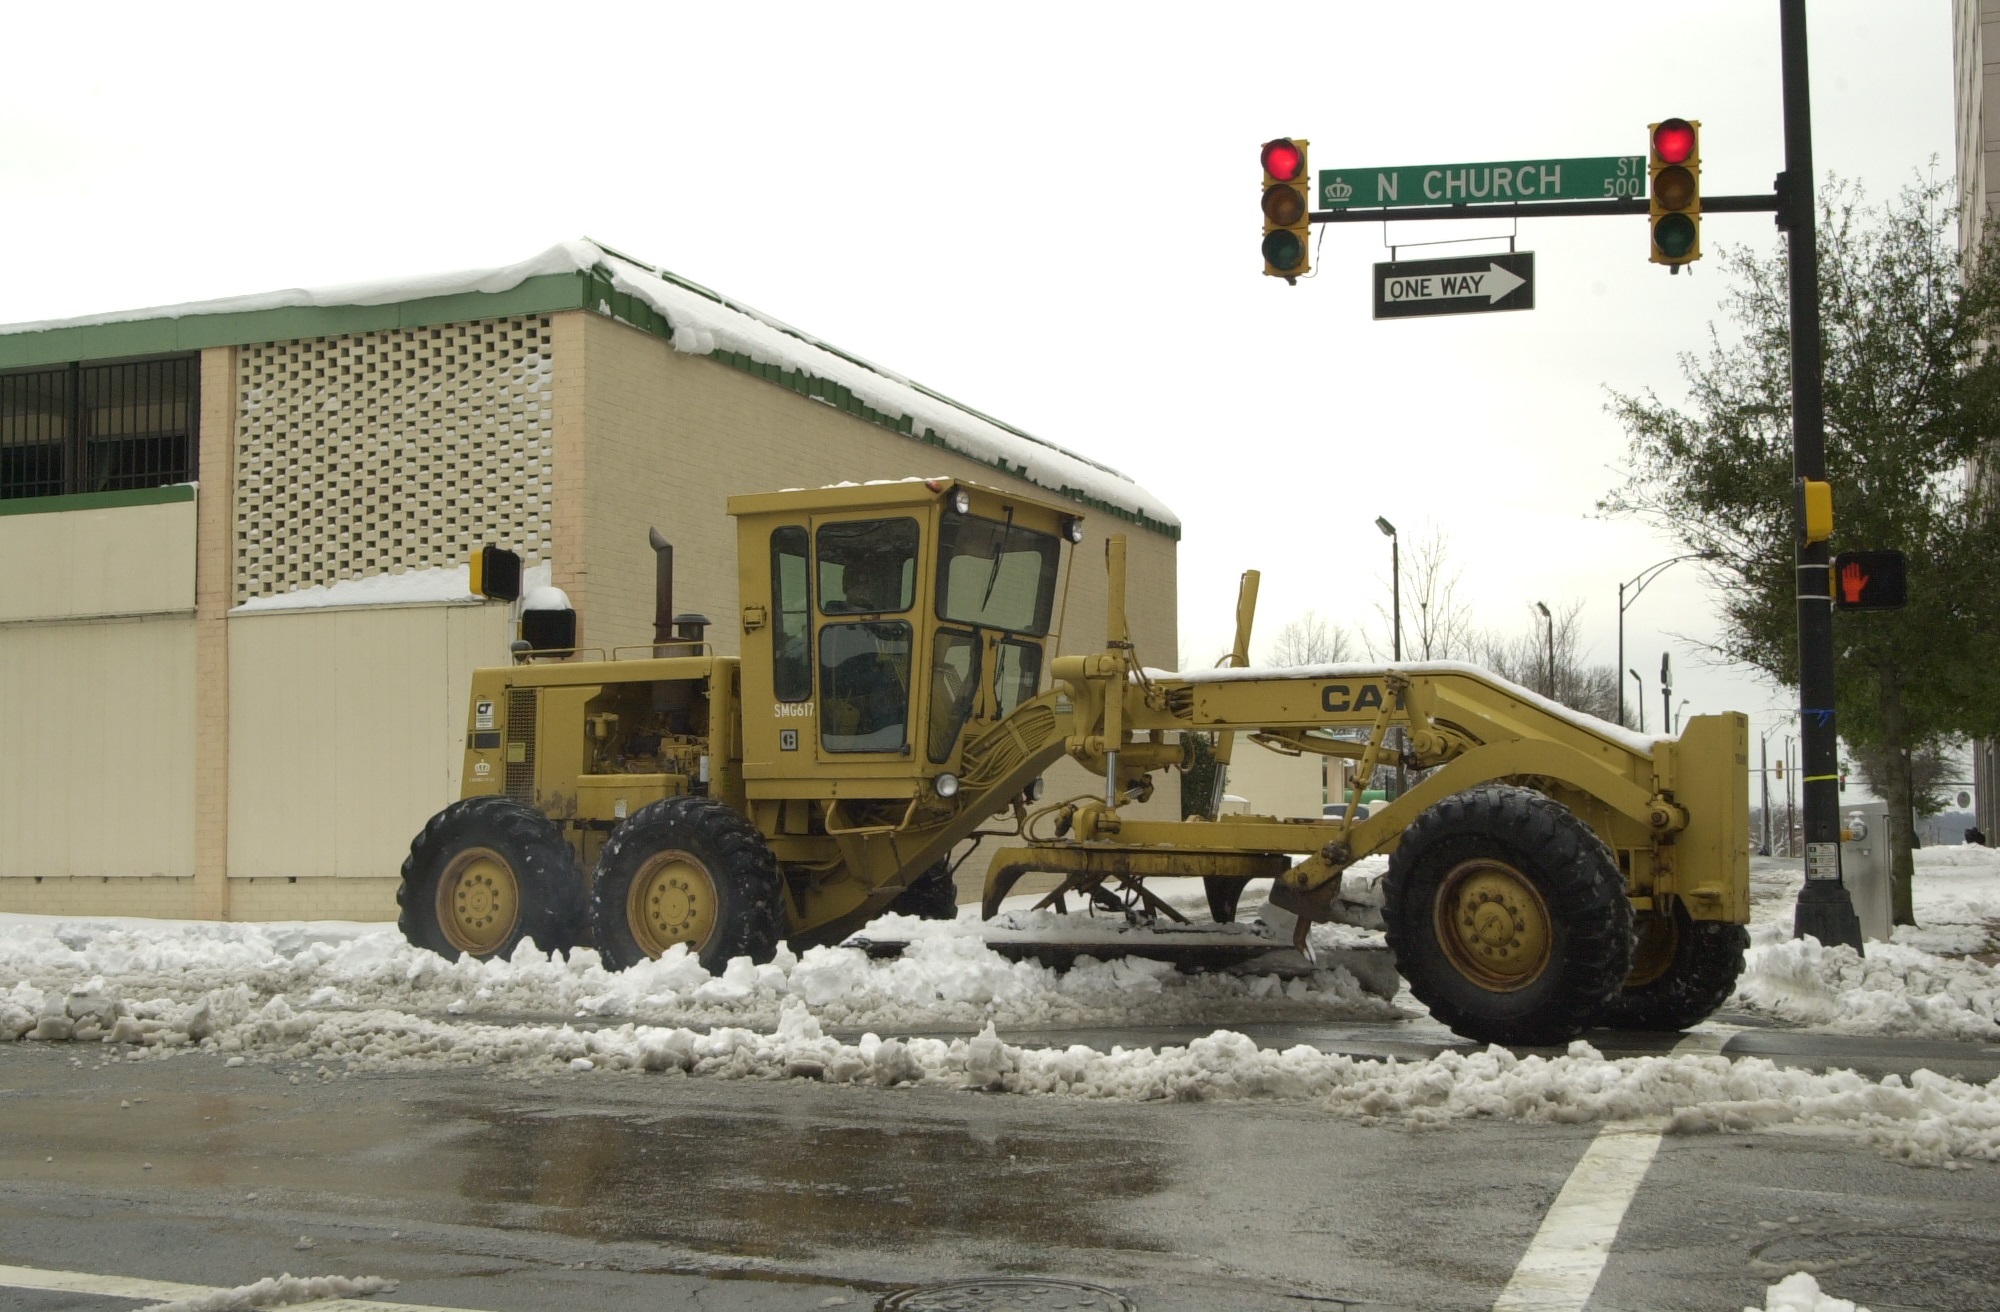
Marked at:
<point>605,299</point>
<point>191,332</point>
<point>138,496</point>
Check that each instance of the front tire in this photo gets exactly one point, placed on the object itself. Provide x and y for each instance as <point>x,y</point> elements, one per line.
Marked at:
<point>1508,917</point>
<point>483,875</point>
<point>933,895</point>
<point>1683,970</point>
<point>686,870</point>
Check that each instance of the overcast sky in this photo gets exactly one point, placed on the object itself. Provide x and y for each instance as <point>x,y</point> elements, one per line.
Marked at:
<point>1048,212</point>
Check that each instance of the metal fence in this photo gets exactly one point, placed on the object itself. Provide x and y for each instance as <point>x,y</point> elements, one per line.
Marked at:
<point>98,427</point>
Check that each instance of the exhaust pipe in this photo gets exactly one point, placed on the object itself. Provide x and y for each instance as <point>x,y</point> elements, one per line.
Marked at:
<point>663,592</point>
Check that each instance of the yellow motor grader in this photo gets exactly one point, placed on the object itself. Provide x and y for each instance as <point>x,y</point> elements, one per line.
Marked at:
<point>895,697</point>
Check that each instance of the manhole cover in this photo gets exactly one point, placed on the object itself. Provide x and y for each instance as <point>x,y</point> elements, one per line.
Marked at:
<point>1009,1295</point>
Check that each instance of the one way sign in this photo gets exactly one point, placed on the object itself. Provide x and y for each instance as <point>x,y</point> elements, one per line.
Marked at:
<point>1467,285</point>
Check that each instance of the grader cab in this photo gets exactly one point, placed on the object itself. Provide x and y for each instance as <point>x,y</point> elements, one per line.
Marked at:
<point>896,696</point>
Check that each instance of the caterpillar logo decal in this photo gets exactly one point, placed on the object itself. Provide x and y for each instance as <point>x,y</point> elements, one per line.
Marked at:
<point>1340,697</point>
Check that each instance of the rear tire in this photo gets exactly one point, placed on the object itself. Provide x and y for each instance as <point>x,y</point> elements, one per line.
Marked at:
<point>1683,970</point>
<point>933,895</point>
<point>686,870</point>
<point>486,873</point>
<point>1508,916</point>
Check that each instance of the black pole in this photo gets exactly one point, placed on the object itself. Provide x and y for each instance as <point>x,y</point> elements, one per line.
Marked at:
<point>1396,619</point>
<point>1621,654</point>
<point>1824,910</point>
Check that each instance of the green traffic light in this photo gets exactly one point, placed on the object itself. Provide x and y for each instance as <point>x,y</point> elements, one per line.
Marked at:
<point>1674,235</point>
<point>1283,250</point>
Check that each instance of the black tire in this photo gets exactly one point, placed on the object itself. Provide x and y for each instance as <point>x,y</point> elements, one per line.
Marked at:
<point>475,857</point>
<point>1683,969</point>
<point>933,895</point>
<point>1539,966</point>
<point>686,869</point>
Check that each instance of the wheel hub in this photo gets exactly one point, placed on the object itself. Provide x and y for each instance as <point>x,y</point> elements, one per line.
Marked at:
<point>1493,924</point>
<point>479,901</point>
<point>672,901</point>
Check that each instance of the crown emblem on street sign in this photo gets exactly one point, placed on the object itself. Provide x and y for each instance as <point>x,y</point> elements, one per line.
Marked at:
<point>1338,190</point>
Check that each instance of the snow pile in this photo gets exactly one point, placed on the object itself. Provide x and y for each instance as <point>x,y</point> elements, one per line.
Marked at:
<point>1928,1120</point>
<point>1892,990</point>
<point>1956,893</point>
<point>85,976</point>
<point>413,587</point>
<point>1799,1292</point>
<point>278,1291</point>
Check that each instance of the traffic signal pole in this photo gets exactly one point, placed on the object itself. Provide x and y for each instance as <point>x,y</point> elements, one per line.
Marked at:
<point>1824,909</point>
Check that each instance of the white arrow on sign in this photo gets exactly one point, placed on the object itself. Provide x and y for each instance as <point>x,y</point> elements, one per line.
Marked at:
<point>1493,284</point>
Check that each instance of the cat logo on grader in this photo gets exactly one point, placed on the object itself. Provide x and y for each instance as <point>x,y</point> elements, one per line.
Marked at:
<point>896,695</point>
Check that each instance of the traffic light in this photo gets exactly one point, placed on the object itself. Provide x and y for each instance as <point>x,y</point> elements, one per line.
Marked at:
<point>1675,168</point>
<point>1287,208</point>
<point>496,574</point>
<point>1870,580</point>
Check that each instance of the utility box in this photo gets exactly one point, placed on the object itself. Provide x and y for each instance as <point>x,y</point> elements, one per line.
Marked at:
<point>1865,867</point>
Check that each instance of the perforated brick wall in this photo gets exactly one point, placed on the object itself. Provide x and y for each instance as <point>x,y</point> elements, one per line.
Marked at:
<point>376,453</point>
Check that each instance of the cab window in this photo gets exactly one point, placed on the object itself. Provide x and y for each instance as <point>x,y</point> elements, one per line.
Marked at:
<point>954,689</point>
<point>1017,674</point>
<point>996,575</point>
<point>791,628</point>
<point>864,686</point>
<point>867,567</point>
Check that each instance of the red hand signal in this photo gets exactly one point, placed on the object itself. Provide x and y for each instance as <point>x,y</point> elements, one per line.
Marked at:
<point>1852,581</point>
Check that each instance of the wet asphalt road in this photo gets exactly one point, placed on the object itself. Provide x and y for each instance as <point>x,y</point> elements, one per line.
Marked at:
<point>614,1191</point>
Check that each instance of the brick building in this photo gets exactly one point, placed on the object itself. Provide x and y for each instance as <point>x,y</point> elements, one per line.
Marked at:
<point>236,639</point>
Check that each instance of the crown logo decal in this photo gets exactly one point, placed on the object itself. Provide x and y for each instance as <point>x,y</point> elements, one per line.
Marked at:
<point>1338,190</point>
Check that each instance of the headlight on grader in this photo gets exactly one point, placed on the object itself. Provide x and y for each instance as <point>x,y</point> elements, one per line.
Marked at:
<point>946,785</point>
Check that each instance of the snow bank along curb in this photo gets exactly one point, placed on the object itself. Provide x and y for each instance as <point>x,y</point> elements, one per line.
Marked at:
<point>352,1000</point>
<point>276,1291</point>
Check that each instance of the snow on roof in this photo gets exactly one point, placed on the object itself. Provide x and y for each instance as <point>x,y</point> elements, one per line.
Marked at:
<point>702,323</point>
<point>1358,670</point>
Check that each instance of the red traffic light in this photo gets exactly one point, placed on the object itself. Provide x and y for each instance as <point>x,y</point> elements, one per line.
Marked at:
<point>1284,160</point>
<point>1673,141</point>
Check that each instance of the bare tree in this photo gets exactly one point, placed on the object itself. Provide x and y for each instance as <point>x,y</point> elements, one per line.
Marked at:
<point>1548,659</point>
<point>1310,640</point>
<point>1437,626</point>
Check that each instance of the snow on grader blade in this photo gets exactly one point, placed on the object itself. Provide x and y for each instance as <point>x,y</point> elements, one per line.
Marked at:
<point>896,697</point>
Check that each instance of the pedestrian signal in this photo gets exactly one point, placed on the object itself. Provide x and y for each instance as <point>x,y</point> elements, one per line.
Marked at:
<point>1675,167</point>
<point>1870,580</point>
<point>1287,208</point>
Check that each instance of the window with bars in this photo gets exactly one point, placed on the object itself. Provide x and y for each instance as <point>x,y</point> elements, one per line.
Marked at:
<point>98,427</point>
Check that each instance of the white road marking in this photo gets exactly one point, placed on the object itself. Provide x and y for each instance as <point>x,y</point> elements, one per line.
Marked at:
<point>1567,1255</point>
<point>166,1291</point>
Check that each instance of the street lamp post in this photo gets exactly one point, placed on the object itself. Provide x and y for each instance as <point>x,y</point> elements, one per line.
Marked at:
<point>1639,701</point>
<point>1628,592</point>
<point>1677,713</point>
<point>1549,620</point>
<point>1396,629</point>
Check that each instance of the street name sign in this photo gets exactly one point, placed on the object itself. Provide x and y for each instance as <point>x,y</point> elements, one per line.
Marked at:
<point>1472,284</point>
<point>1526,180</point>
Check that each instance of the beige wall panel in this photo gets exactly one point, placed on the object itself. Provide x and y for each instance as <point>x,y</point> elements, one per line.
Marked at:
<point>313,899</point>
<point>124,560</point>
<point>347,732</point>
<point>163,897</point>
<point>1275,784</point>
<point>97,747</point>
